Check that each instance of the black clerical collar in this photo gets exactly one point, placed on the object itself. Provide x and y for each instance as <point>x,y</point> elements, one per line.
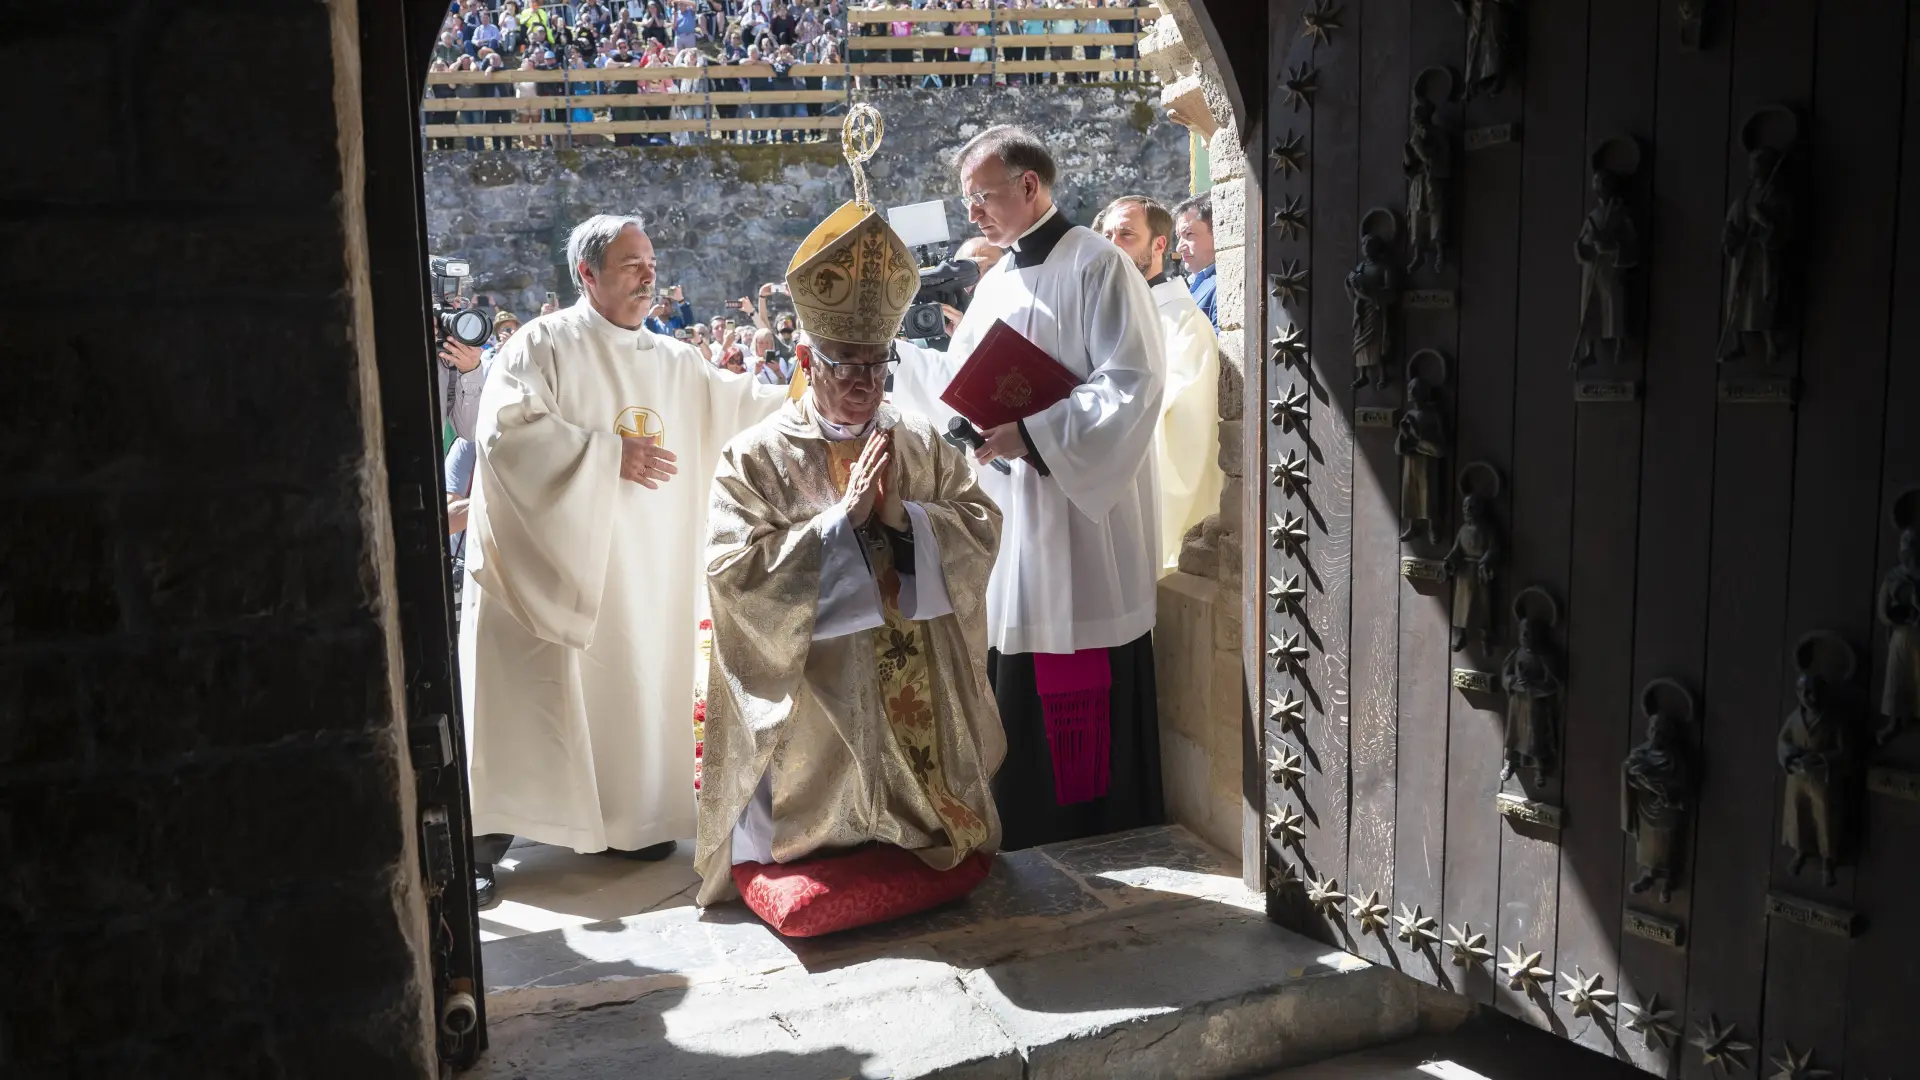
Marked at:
<point>1033,248</point>
<point>1156,279</point>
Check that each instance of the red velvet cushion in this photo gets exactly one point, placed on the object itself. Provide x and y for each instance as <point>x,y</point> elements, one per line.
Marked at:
<point>860,888</point>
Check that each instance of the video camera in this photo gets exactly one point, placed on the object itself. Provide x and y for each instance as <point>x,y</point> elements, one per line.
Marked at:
<point>943,280</point>
<point>451,318</point>
<point>944,283</point>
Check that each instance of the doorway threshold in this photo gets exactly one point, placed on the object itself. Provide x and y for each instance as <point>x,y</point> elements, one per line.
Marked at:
<point>1134,955</point>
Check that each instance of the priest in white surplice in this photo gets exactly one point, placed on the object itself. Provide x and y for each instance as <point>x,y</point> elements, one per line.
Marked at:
<point>1070,605</point>
<point>598,440</point>
<point>1186,447</point>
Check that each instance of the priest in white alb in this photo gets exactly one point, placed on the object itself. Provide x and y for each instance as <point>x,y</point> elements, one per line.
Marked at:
<point>848,556</point>
<point>1186,446</point>
<point>1070,606</point>
<point>597,441</point>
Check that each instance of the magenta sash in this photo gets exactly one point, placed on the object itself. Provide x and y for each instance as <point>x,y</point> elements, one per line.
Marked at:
<point>1075,700</point>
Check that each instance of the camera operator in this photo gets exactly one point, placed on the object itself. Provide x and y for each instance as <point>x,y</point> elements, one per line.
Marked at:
<point>947,288</point>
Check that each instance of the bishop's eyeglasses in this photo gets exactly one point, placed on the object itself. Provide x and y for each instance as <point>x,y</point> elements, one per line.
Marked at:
<point>841,372</point>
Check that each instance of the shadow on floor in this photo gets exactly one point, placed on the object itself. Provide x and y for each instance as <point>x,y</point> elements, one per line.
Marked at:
<point>1492,1046</point>
<point>527,1047</point>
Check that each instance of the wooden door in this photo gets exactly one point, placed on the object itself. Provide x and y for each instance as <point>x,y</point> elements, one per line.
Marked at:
<point>1688,536</point>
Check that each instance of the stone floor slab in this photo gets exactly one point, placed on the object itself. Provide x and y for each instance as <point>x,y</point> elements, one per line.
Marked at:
<point>1135,955</point>
<point>877,1020</point>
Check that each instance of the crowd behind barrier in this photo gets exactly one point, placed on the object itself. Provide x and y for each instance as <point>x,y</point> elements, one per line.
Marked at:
<point>653,72</point>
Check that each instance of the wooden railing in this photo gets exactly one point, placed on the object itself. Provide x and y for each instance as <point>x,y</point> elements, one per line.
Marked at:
<point>848,72</point>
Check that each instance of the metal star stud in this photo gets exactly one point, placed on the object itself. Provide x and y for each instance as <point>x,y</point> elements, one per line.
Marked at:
<point>1286,593</point>
<point>1290,409</point>
<point>1326,897</point>
<point>1790,1066</point>
<point>1468,948</point>
<point>1291,218</point>
<point>1523,969</point>
<point>1655,1024</point>
<point>1583,992</point>
<point>1282,875</point>
<point>1371,913</point>
<point>1286,767</point>
<point>1720,1047</point>
<point>1288,711</point>
<point>1416,929</point>
<point>1290,471</point>
<point>1290,156</point>
<point>1289,346</point>
<point>1301,83</point>
<point>1287,825</point>
<point>1287,651</point>
<point>1290,284</point>
<point>1320,21</point>
<point>1288,532</point>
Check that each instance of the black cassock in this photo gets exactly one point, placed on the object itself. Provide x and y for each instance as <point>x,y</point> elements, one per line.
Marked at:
<point>1030,813</point>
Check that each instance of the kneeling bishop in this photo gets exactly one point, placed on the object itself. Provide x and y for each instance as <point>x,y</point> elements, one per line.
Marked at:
<point>848,554</point>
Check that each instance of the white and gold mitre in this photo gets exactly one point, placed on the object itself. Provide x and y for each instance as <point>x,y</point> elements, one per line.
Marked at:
<point>853,277</point>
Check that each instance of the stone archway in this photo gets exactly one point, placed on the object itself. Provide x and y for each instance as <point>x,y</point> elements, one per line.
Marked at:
<point>214,835</point>
<point>1198,637</point>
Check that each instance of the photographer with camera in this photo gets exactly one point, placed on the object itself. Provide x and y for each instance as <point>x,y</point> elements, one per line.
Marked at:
<point>768,365</point>
<point>670,314</point>
<point>458,333</point>
<point>782,327</point>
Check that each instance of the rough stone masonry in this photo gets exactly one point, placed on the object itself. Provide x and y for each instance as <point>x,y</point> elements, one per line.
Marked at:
<point>204,855</point>
<point>725,218</point>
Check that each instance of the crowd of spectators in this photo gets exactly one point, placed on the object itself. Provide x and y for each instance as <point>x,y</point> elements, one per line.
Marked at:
<point>707,36</point>
<point>751,335</point>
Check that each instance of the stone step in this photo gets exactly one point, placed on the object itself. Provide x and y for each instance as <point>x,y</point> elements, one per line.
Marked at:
<point>1488,1047</point>
<point>1136,955</point>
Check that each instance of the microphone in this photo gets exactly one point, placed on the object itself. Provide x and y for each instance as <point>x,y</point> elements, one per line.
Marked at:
<point>964,436</point>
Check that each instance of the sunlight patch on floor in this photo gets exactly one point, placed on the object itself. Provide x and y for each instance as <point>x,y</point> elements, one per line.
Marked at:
<point>1447,1070</point>
<point>551,888</point>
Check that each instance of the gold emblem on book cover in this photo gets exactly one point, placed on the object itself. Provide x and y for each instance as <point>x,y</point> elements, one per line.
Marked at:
<point>1012,390</point>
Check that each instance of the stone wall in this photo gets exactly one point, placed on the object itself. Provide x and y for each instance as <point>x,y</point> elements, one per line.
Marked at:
<point>204,826</point>
<point>726,218</point>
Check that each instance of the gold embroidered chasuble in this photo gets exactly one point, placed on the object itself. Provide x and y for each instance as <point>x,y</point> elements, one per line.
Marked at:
<point>888,735</point>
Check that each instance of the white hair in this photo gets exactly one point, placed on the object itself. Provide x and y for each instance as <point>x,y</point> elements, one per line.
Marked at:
<point>589,241</point>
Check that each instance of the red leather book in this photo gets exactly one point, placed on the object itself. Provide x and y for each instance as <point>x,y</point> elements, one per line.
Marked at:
<point>1006,378</point>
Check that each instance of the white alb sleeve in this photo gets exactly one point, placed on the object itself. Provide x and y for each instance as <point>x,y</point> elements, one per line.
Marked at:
<point>849,597</point>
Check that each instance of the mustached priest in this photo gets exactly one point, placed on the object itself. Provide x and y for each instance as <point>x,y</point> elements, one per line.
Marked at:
<point>1070,607</point>
<point>847,561</point>
<point>597,441</point>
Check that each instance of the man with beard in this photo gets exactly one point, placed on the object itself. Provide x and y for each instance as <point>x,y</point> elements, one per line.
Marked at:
<point>1186,445</point>
<point>847,561</point>
<point>597,440</point>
